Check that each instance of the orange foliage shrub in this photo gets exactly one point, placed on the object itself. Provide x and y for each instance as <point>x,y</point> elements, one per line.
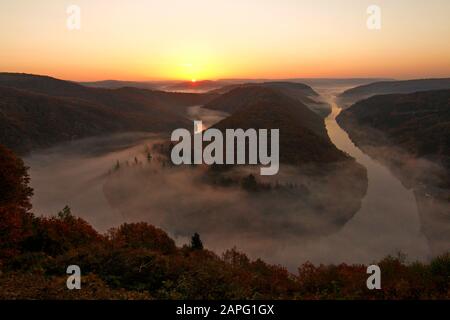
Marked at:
<point>142,235</point>
<point>56,235</point>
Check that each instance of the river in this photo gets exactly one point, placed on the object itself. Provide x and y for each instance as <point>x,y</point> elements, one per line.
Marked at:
<point>388,221</point>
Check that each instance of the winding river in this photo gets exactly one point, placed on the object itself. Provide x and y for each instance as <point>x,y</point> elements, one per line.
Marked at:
<point>388,221</point>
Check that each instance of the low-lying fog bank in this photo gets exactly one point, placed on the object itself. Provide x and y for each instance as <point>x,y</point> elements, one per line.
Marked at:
<point>134,183</point>
<point>118,179</point>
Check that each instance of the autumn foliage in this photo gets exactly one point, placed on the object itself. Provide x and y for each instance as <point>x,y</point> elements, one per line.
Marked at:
<point>142,235</point>
<point>58,234</point>
<point>140,261</point>
<point>15,196</point>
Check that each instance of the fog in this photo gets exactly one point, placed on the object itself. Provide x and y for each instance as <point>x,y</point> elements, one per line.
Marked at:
<point>208,117</point>
<point>287,228</point>
<point>181,201</point>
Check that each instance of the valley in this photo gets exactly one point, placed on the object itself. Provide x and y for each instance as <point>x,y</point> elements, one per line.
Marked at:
<point>142,191</point>
<point>328,195</point>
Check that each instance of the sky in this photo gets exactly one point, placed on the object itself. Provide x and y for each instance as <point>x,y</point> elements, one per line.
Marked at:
<point>216,39</point>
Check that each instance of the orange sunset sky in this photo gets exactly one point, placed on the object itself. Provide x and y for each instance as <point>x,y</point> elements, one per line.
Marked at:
<point>213,39</point>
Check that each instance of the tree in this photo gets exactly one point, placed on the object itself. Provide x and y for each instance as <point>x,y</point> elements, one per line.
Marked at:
<point>61,233</point>
<point>15,194</point>
<point>14,180</point>
<point>249,183</point>
<point>142,235</point>
<point>196,242</point>
<point>65,214</point>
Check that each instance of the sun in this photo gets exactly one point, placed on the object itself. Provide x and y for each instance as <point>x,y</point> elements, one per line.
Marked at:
<point>194,80</point>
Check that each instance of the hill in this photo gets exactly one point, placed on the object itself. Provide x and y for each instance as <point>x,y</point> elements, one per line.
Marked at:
<point>419,123</point>
<point>294,87</point>
<point>116,84</point>
<point>39,111</point>
<point>203,85</point>
<point>350,96</point>
<point>297,91</point>
<point>125,98</point>
<point>303,137</point>
<point>31,121</point>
